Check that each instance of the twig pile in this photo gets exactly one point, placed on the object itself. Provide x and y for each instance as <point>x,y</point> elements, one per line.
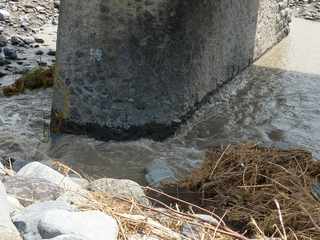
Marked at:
<point>165,223</point>
<point>268,189</point>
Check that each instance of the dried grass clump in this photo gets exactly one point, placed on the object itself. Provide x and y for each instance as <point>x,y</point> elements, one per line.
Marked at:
<point>266,188</point>
<point>164,223</point>
<point>36,78</point>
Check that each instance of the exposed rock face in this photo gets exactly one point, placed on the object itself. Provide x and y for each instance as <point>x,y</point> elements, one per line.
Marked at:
<point>130,69</point>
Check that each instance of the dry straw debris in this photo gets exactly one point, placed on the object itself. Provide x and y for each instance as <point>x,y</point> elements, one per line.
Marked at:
<point>270,191</point>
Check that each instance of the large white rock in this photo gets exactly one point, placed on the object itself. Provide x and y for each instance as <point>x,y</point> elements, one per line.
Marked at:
<point>28,219</point>
<point>7,229</point>
<point>39,170</point>
<point>92,225</point>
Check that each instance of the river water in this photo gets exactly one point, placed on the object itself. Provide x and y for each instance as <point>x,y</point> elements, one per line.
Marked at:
<point>274,102</point>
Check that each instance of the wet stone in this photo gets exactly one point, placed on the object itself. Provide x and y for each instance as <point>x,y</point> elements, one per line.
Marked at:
<point>10,53</point>
<point>30,190</point>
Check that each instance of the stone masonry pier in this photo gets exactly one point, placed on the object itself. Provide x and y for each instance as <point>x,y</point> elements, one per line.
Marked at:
<point>139,68</point>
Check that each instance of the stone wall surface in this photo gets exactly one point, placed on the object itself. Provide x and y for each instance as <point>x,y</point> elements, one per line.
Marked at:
<point>129,69</point>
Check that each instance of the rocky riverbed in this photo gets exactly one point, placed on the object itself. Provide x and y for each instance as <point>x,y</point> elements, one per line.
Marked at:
<point>37,202</point>
<point>307,9</point>
<point>28,32</point>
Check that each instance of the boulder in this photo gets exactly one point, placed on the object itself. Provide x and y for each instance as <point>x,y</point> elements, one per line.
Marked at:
<point>30,190</point>
<point>7,229</point>
<point>39,170</point>
<point>28,219</point>
<point>93,225</point>
<point>120,188</point>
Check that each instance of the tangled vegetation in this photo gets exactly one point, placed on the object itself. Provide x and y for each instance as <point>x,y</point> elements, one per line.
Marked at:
<point>272,190</point>
<point>36,78</point>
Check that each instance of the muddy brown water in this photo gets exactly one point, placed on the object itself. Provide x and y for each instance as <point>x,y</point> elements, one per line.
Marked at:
<point>274,102</point>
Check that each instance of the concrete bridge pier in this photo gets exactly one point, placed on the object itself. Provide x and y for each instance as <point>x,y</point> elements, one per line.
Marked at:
<point>138,68</point>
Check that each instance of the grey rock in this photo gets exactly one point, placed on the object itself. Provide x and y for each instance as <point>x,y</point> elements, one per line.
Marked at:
<point>7,229</point>
<point>39,40</point>
<point>16,40</point>
<point>80,198</point>
<point>18,164</point>
<point>93,225</point>
<point>39,52</point>
<point>3,41</point>
<point>56,4</point>
<point>28,219</point>
<point>39,170</point>
<point>29,190</point>
<point>120,188</point>
<point>10,53</point>
<point>4,15</point>
<point>51,52</point>
<point>28,40</point>
<point>208,219</point>
<point>42,63</point>
<point>175,165</point>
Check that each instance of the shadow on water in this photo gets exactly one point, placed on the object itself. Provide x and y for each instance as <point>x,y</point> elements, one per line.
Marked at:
<point>271,106</point>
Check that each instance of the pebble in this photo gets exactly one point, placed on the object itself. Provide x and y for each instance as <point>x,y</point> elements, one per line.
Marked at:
<point>39,40</point>
<point>3,41</point>
<point>10,53</point>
